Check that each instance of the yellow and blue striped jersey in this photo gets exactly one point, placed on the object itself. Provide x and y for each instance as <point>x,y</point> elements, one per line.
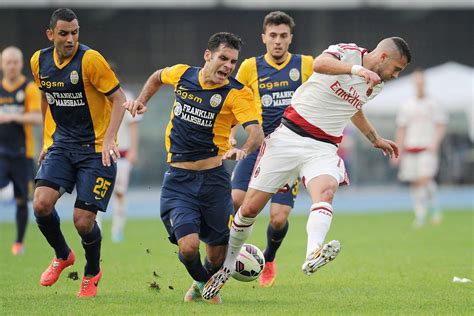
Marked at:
<point>202,116</point>
<point>273,85</point>
<point>76,91</point>
<point>17,139</point>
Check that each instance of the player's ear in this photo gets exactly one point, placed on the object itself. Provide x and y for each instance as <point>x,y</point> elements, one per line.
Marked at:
<point>49,34</point>
<point>263,38</point>
<point>207,55</point>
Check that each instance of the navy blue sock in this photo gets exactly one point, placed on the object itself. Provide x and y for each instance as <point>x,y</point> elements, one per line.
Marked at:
<point>210,268</point>
<point>274,240</point>
<point>91,242</point>
<point>195,268</point>
<point>49,226</point>
<point>21,220</point>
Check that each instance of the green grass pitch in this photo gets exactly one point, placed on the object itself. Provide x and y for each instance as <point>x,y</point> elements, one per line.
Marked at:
<point>385,267</point>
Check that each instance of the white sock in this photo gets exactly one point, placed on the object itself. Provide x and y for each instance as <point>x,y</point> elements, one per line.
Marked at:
<point>118,218</point>
<point>98,219</point>
<point>239,232</point>
<point>420,203</point>
<point>319,222</point>
<point>433,202</point>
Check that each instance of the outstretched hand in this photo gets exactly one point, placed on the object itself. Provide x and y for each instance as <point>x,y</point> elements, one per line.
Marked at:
<point>371,78</point>
<point>388,147</point>
<point>235,154</point>
<point>135,107</point>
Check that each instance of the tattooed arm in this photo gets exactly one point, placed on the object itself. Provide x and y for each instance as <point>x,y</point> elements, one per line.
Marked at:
<point>387,146</point>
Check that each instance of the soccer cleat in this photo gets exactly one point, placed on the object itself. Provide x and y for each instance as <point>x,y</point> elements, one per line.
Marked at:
<point>52,273</point>
<point>117,237</point>
<point>216,282</point>
<point>194,294</point>
<point>321,257</point>
<point>268,276</point>
<point>89,285</point>
<point>18,249</point>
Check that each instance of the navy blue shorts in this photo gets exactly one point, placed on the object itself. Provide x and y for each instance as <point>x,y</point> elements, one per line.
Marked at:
<point>20,171</point>
<point>243,172</point>
<point>197,202</point>
<point>63,169</point>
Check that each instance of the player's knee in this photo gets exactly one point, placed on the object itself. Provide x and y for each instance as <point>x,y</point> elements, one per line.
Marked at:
<point>83,224</point>
<point>327,195</point>
<point>41,207</point>
<point>249,209</point>
<point>188,250</point>
<point>278,221</point>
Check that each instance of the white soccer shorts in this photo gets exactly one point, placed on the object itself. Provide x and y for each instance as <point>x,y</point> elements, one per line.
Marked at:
<point>123,175</point>
<point>416,166</point>
<point>286,155</point>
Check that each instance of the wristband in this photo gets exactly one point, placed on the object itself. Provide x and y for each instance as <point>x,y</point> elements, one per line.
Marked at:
<point>355,69</point>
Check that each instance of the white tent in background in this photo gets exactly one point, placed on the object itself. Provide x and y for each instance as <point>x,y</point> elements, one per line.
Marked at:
<point>451,84</point>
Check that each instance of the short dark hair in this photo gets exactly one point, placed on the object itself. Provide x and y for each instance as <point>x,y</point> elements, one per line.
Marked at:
<point>277,18</point>
<point>62,14</point>
<point>227,39</point>
<point>402,47</point>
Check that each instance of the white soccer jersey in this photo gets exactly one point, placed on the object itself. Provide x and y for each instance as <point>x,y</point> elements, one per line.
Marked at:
<point>324,104</point>
<point>420,117</point>
<point>124,130</point>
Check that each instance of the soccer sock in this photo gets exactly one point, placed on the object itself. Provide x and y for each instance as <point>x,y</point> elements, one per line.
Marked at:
<point>91,242</point>
<point>21,220</point>
<point>195,268</point>
<point>433,202</point>
<point>50,227</point>
<point>118,217</point>
<point>239,232</point>
<point>274,240</point>
<point>210,268</point>
<point>420,200</point>
<point>319,222</point>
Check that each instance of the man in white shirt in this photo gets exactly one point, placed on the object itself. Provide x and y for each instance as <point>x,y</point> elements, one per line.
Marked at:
<point>421,129</point>
<point>346,77</point>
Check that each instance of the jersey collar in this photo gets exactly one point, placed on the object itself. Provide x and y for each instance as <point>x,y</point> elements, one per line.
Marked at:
<point>66,62</point>
<point>276,66</point>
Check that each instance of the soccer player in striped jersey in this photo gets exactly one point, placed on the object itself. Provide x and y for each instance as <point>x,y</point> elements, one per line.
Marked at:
<point>196,201</point>
<point>82,111</point>
<point>346,77</point>
<point>19,109</point>
<point>273,78</point>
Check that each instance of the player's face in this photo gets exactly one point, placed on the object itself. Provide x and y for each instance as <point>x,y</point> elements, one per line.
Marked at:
<point>64,36</point>
<point>12,64</point>
<point>277,39</point>
<point>220,64</point>
<point>391,66</point>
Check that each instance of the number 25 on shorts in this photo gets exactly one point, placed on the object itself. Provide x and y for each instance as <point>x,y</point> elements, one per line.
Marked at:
<point>101,187</point>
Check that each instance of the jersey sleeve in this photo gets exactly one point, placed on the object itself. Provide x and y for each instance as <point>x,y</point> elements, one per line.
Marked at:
<point>34,64</point>
<point>32,98</point>
<point>244,75</point>
<point>306,67</point>
<point>244,108</point>
<point>171,75</point>
<point>439,115</point>
<point>402,115</point>
<point>99,72</point>
<point>345,52</point>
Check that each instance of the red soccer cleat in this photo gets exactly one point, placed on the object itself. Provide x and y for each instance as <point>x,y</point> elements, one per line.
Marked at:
<point>89,285</point>
<point>18,249</point>
<point>268,276</point>
<point>52,273</point>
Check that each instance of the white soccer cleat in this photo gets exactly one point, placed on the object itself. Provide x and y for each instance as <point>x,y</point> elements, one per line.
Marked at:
<point>215,283</point>
<point>321,257</point>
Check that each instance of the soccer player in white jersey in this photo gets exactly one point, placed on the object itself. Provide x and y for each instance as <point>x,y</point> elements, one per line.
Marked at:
<point>128,142</point>
<point>421,128</point>
<point>346,77</point>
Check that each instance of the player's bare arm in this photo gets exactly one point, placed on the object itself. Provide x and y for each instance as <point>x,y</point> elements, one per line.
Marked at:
<point>254,140</point>
<point>387,146</point>
<point>152,85</point>
<point>330,65</point>
<point>109,147</point>
<point>44,107</point>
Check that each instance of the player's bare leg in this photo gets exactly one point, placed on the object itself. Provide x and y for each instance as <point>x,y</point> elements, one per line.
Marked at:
<point>240,230</point>
<point>321,190</point>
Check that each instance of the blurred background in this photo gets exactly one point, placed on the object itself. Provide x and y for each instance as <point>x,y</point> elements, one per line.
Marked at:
<point>141,36</point>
